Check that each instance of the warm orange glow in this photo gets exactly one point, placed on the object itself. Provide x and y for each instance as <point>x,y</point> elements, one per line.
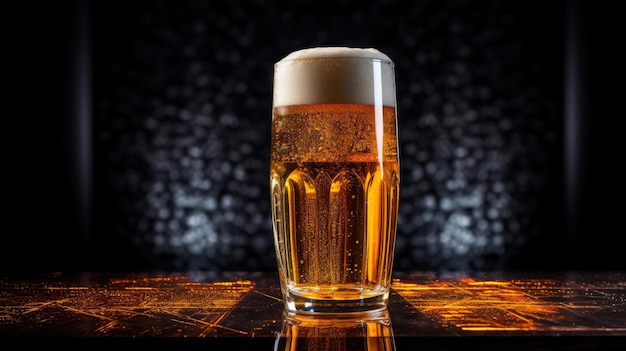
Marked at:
<point>493,305</point>
<point>214,305</point>
<point>144,305</point>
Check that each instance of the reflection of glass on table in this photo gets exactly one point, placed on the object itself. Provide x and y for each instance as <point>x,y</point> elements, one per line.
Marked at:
<point>368,332</point>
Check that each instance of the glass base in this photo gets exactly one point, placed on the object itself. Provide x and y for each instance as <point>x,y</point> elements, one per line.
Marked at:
<point>309,305</point>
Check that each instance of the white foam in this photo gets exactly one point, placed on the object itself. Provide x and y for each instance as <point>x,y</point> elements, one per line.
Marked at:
<point>334,75</point>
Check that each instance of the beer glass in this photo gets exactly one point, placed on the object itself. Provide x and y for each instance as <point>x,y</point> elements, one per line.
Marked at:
<point>334,178</point>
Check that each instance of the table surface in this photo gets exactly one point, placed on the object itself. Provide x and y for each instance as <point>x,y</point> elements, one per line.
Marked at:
<point>487,310</point>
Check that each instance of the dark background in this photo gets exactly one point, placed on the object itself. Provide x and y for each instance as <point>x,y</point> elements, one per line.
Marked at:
<point>138,135</point>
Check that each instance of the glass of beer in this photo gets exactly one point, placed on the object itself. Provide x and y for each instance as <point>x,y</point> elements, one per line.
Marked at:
<point>334,178</point>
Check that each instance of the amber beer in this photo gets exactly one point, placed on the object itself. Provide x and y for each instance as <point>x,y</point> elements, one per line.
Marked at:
<point>334,178</point>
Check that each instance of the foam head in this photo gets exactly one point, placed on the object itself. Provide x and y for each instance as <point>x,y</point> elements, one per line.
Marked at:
<point>334,75</point>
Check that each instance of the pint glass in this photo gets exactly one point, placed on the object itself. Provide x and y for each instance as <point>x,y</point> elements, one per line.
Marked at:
<point>334,178</point>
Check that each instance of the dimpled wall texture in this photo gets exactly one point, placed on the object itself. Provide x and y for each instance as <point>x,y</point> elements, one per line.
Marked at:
<point>182,110</point>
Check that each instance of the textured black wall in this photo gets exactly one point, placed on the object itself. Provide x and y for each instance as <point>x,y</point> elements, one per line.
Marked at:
<point>181,108</point>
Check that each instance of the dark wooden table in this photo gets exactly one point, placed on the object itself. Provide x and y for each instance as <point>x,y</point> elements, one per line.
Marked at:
<point>508,310</point>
